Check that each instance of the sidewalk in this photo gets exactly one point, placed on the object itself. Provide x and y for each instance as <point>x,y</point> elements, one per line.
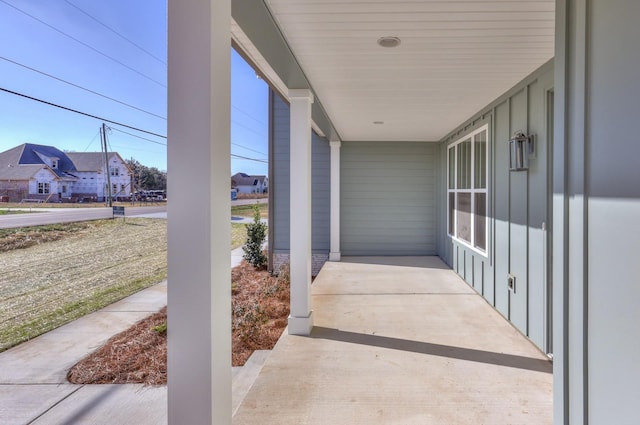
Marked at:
<point>33,385</point>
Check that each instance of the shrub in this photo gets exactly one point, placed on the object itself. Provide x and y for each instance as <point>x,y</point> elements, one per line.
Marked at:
<point>256,234</point>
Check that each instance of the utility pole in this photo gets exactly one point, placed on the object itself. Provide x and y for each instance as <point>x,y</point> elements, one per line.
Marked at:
<point>103,134</point>
<point>133,183</point>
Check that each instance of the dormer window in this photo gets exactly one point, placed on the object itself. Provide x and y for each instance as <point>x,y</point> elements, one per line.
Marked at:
<point>54,163</point>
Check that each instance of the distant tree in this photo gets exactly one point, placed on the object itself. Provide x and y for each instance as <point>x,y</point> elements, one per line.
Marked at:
<point>147,178</point>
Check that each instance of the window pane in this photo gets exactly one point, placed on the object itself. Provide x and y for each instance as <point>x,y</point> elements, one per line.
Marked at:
<point>480,220</point>
<point>452,167</point>
<point>480,160</point>
<point>464,217</point>
<point>464,165</point>
<point>452,210</point>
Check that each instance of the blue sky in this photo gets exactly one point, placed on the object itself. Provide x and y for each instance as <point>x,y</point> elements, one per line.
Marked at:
<point>111,65</point>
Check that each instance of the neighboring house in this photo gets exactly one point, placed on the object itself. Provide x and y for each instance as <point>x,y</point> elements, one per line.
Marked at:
<point>245,183</point>
<point>45,173</point>
<point>92,178</point>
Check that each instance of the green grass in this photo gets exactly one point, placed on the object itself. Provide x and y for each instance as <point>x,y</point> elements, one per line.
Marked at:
<point>71,311</point>
<point>7,212</point>
<point>247,210</point>
<point>104,274</point>
<point>105,261</point>
<point>238,235</point>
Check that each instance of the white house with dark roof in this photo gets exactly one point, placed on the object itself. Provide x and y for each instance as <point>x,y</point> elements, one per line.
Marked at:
<point>45,173</point>
<point>249,184</point>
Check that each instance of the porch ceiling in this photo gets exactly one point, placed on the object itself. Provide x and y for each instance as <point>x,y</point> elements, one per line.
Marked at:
<point>455,57</point>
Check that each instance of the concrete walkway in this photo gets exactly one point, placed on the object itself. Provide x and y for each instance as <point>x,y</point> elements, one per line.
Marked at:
<point>401,341</point>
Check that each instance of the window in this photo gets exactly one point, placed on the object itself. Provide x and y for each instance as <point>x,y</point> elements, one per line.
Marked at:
<point>122,188</point>
<point>54,163</point>
<point>467,189</point>
<point>114,188</point>
<point>115,171</point>
<point>43,188</point>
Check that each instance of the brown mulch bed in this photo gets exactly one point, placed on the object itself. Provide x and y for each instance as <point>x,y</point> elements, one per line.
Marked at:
<point>137,355</point>
<point>260,307</point>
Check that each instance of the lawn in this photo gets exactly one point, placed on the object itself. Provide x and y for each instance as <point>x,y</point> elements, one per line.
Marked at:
<point>238,235</point>
<point>67,271</point>
<point>7,212</point>
<point>247,210</point>
<point>54,274</point>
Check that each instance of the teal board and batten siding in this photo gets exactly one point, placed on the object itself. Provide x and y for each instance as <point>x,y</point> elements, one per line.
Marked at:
<point>279,184</point>
<point>518,211</point>
<point>387,198</point>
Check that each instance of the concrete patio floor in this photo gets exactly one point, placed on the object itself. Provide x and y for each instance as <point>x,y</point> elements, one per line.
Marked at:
<point>401,341</point>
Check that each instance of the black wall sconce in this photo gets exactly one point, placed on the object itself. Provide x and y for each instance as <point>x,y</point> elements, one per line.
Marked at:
<point>520,151</point>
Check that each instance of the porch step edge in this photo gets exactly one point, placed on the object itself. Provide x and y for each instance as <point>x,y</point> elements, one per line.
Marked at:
<point>245,376</point>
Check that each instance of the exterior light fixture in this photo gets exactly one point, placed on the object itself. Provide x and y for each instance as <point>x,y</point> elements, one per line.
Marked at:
<point>388,41</point>
<point>520,151</point>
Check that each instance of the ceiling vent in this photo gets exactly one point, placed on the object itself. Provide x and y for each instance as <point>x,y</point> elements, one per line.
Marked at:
<point>389,41</point>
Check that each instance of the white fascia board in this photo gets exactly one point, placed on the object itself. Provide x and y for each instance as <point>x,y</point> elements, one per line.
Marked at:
<point>272,78</point>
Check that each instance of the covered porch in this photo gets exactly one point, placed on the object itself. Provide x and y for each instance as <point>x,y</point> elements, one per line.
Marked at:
<point>401,340</point>
<point>543,242</point>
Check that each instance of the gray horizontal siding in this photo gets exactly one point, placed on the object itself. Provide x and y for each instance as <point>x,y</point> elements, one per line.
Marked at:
<point>280,181</point>
<point>320,183</point>
<point>321,196</point>
<point>387,198</point>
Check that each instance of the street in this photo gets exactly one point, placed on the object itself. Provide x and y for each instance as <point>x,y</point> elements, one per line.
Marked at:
<point>41,216</point>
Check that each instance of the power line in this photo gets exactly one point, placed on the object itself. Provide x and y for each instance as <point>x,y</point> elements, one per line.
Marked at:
<point>249,115</point>
<point>81,113</point>
<point>91,142</point>
<point>116,32</point>
<point>247,148</point>
<point>83,88</point>
<point>139,137</point>
<point>85,44</point>
<point>244,126</point>
<point>129,148</point>
<point>250,159</point>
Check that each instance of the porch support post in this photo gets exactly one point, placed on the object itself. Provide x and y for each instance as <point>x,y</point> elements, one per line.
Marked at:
<point>199,291</point>
<point>301,317</point>
<point>596,236</point>
<point>334,254</point>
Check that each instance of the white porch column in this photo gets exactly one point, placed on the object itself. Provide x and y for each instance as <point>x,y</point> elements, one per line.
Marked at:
<point>199,292</point>
<point>301,317</point>
<point>334,254</point>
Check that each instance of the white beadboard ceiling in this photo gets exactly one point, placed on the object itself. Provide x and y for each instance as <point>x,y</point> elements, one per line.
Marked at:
<point>455,57</point>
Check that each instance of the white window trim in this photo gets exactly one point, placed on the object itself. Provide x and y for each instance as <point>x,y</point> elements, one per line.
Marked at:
<point>46,188</point>
<point>472,191</point>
